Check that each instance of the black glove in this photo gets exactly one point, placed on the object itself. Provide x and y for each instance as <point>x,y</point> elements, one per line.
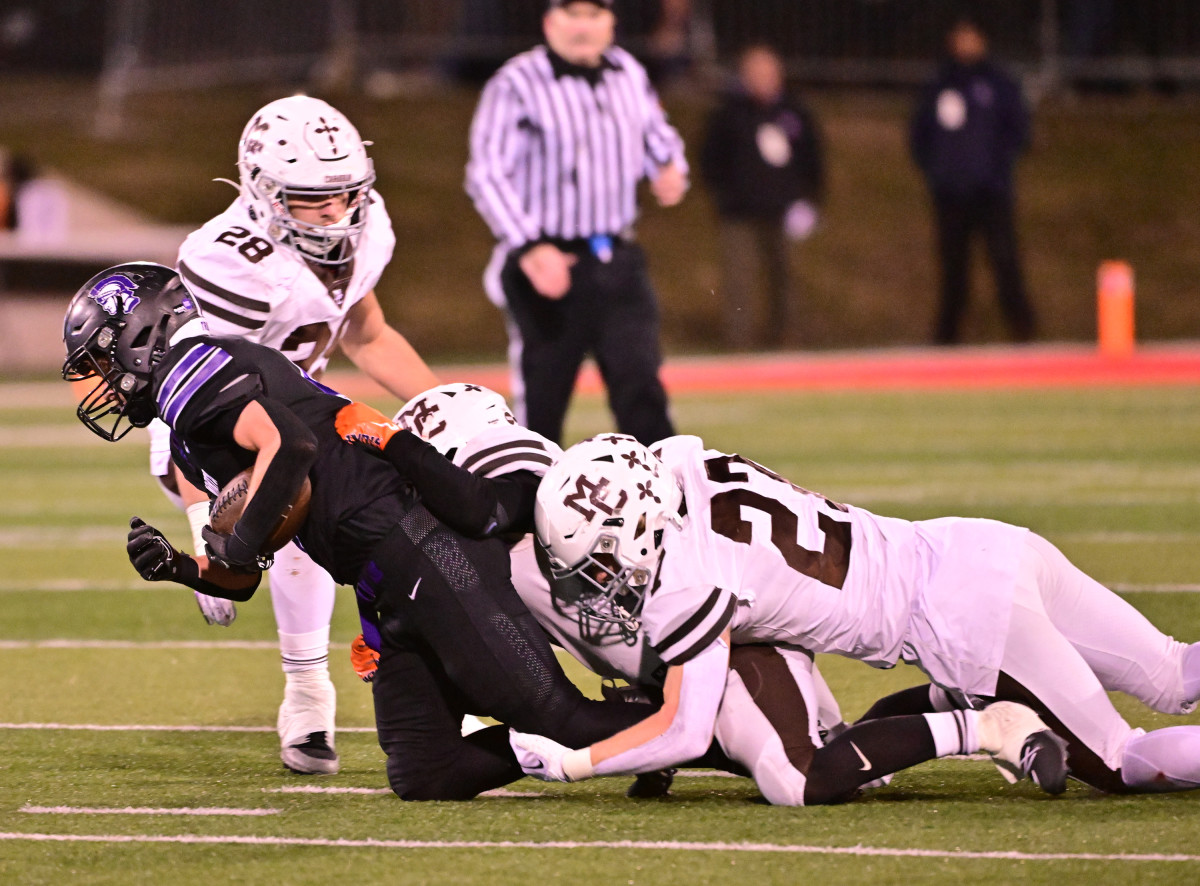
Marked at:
<point>151,554</point>
<point>233,553</point>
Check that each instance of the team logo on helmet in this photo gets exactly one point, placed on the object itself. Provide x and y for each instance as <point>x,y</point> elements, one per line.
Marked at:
<point>115,295</point>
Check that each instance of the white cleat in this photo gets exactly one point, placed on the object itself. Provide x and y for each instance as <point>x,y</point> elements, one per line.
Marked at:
<point>306,724</point>
<point>1020,744</point>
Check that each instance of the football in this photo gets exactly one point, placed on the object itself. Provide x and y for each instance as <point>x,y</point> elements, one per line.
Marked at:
<point>231,501</point>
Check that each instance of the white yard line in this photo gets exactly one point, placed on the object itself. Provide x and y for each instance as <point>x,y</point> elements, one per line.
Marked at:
<point>145,810</point>
<point>138,727</point>
<point>318,789</point>
<point>64,643</point>
<point>649,845</point>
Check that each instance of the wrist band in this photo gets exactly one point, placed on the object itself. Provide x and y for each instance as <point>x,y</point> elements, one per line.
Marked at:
<point>197,517</point>
<point>577,765</point>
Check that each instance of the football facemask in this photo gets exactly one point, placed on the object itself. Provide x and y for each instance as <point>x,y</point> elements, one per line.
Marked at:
<point>117,328</point>
<point>300,150</point>
<point>601,512</point>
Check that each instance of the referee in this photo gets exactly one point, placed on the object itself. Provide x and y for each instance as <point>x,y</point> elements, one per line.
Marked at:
<point>562,135</point>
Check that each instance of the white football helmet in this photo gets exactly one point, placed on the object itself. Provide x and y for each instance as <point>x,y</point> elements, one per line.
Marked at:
<point>449,415</point>
<point>303,147</point>
<point>600,514</point>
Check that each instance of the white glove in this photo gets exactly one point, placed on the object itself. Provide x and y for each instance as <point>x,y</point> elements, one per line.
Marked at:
<point>538,755</point>
<point>548,760</point>
<point>216,610</point>
<point>800,220</point>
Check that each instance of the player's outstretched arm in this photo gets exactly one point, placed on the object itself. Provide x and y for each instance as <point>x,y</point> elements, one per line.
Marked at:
<point>155,559</point>
<point>472,504</point>
<point>679,731</point>
<point>383,353</point>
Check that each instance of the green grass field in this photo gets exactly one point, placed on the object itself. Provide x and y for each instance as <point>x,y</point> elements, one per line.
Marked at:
<point>1110,475</point>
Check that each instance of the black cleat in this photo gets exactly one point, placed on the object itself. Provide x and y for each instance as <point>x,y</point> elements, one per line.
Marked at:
<point>313,756</point>
<point>1044,757</point>
<point>652,785</point>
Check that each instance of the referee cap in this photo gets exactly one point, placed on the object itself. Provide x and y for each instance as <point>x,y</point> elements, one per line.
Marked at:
<point>557,4</point>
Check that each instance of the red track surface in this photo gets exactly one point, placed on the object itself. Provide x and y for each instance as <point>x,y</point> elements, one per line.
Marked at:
<point>919,369</point>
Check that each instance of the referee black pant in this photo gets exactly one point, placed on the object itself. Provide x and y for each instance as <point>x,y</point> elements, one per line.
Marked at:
<point>611,313</point>
<point>458,640</point>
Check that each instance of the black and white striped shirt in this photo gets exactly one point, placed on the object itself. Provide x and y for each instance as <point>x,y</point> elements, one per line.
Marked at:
<point>554,156</point>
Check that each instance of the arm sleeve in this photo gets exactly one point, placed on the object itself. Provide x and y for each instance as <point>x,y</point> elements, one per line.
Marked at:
<point>190,577</point>
<point>691,730</point>
<point>281,481</point>
<point>496,146</point>
<point>472,504</point>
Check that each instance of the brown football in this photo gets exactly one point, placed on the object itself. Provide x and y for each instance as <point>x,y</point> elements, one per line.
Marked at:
<point>231,501</point>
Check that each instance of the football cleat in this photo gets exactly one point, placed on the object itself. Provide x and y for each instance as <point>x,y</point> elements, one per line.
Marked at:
<point>651,785</point>
<point>312,756</point>
<point>1021,745</point>
<point>306,724</point>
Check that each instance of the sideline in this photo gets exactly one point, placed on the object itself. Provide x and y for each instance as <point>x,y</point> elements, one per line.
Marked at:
<point>960,367</point>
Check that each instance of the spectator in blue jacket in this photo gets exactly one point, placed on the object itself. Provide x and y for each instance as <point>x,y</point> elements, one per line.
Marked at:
<point>970,126</point>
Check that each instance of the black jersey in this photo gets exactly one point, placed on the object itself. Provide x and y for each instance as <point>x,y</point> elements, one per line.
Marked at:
<point>200,390</point>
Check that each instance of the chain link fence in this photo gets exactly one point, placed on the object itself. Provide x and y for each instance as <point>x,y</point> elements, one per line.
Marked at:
<point>1053,44</point>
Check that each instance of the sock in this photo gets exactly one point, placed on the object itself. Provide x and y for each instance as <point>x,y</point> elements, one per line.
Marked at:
<point>1191,673</point>
<point>1163,760</point>
<point>305,652</point>
<point>865,752</point>
<point>954,732</point>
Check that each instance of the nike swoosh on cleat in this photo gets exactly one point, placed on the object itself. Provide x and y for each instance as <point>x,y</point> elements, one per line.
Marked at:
<point>866,763</point>
<point>413,595</point>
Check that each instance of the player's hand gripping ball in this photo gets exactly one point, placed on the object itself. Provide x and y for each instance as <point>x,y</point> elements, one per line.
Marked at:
<point>231,502</point>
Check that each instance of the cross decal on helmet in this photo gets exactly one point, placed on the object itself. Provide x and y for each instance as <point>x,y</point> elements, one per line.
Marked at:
<point>326,127</point>
<point>644,491</point>
<point>634,462</point>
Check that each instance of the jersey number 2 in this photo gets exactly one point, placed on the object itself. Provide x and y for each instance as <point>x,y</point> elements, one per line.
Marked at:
<point>828,566</point>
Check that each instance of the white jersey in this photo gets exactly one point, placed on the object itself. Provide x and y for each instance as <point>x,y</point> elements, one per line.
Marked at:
<point>247,285</point>
<point>779,564</point>
<point>605,649</point>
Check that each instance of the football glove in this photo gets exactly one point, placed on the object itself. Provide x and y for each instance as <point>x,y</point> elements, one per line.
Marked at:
<point>364,658</point>
<point>233,553</point>
<point>538,756</point>
<point>548,760</point>
<point>360,423</point>
<point>216,610</point>
<point>151,554</point>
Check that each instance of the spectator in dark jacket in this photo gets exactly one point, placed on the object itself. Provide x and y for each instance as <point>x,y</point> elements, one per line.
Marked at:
<point>970,126</point>
<point>761,159</point>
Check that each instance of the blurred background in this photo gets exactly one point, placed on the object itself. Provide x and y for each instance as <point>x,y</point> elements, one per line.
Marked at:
<point>133,107</point>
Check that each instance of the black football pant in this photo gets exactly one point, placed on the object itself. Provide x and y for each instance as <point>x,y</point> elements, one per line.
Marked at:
<point>959,219</point>
<point>611,313</point>
<point>458,640</point>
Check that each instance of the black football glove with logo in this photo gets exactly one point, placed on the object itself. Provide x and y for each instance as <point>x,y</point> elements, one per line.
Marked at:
<point>152,555</point>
